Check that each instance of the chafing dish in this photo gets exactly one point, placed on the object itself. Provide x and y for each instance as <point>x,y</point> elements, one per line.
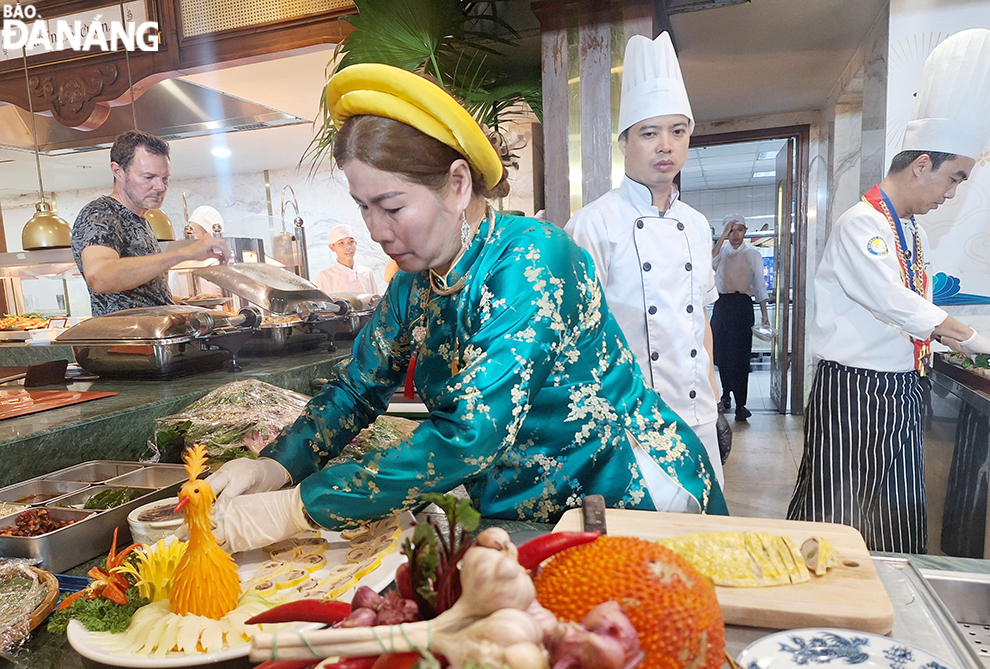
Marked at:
<point>298,315</point>
<point>158,342</point>
<point>91,532</point>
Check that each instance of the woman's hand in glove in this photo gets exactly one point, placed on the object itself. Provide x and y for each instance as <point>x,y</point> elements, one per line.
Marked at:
<point>245,476</point>
<point>254,521</point>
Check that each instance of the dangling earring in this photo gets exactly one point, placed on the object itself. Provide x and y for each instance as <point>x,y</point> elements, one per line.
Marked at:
<point>465,231</point>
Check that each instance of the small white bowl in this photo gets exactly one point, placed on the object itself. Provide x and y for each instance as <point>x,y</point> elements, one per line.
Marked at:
<point>149,532</point>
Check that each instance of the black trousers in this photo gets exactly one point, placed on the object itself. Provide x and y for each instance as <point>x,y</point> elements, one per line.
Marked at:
<point>732,334</point>
<point>863,463</point>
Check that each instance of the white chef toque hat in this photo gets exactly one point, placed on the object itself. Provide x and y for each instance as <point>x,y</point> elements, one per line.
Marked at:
<point>952,113</point>
<point>206,216</point>
<point>339,232</point>
<point>651,82</point>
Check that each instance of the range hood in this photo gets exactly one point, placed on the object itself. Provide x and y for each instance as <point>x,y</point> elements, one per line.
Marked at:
<point>172,109</point>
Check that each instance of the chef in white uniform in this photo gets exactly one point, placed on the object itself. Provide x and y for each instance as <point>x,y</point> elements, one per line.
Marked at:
<point>345,275</point>
<point>652,252</point>
<point>205,222</point>
<point>863,463</point>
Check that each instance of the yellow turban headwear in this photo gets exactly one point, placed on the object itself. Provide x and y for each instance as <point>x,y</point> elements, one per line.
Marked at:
<point>382,90</point>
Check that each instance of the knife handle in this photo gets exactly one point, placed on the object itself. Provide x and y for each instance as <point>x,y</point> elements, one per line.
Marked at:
<point>593,513</point>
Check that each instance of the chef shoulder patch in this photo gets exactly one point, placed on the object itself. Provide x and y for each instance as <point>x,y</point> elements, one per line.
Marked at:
<point>877,246</point>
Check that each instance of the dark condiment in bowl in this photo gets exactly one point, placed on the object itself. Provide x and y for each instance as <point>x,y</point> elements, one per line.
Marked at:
<point>159,514</point>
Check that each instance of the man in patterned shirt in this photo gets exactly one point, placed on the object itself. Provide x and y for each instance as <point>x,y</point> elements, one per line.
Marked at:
<point>114,246</point>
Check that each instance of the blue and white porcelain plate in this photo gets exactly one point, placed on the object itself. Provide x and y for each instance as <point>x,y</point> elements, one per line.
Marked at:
<point>834,648</point>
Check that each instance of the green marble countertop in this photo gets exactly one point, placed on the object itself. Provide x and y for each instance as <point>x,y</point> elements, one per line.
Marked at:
<point>119,427</point>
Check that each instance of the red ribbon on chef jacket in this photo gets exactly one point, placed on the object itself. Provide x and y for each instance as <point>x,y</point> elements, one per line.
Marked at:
<point>913,273</point>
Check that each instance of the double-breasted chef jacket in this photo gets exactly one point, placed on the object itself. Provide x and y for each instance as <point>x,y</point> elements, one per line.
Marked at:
<point>656,271</point>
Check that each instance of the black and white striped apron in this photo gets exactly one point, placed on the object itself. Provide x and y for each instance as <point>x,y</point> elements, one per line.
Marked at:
<point>863,462</point>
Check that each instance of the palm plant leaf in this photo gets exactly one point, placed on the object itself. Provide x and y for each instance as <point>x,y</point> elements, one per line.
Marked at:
<point>454,41</point>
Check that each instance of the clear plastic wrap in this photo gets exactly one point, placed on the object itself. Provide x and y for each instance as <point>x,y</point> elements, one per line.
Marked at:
<point>235,420</point>
<point>22,592</point>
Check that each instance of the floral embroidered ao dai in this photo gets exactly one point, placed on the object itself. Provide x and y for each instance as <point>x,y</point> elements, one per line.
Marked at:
<point>529,383</point>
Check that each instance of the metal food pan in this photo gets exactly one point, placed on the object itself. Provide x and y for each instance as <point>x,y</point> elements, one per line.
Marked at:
<point>152,476</point>
<point>278,339</point>
<point>62,549</point>
<point>155,359</point>
<point>78,499</point>
<point>94,471</point>
<point>92,534</point>
<point>38,491</point>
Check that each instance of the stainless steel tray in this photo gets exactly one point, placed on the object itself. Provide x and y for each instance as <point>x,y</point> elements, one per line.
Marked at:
<point>920,618</point>
<point>142,323</point>
<point>271,288</point>
<point>96,471</point>
<point>38,491</point>
<point>92,533</point>
<point>151,359</point>
<point>277,338</point>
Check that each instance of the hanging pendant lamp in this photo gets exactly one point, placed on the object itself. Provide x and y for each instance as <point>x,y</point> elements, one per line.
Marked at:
<point>45,230</point>
<point>161,225</point>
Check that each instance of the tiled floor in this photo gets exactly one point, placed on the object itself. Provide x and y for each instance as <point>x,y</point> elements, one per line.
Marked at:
<point>766,452</point>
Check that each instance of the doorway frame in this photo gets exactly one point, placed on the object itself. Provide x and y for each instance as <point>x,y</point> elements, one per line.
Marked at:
<point>799,243</point>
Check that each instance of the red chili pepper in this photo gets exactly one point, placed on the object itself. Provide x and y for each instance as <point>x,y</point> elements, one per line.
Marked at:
<point>304,610</point>
<point>535,551</point>
<point>114,594</point>
<point>397,661</point>
<point>353,663</point>
<point>67,602</point>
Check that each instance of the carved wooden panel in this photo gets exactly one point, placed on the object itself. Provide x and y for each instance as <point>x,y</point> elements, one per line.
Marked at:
<point>77,89</point>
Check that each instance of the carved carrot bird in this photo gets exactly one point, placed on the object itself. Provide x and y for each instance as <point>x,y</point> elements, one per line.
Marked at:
<point>206,581</point>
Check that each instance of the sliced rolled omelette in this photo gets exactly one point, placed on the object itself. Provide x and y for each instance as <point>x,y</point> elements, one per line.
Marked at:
<point>753,559</point>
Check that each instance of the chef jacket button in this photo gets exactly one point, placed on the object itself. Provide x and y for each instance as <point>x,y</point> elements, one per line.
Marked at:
<point>690,308</point>
<point>680,226</point>
<point>647,266</point>
<point>694,353</point>
<point>652,310</point>
<point>688,266</point>
<point>692,394</point>
<point>639,224</point>
<point>654,356</point>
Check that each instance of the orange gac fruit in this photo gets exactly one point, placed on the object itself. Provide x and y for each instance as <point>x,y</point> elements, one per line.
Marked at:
<point>671,605</point>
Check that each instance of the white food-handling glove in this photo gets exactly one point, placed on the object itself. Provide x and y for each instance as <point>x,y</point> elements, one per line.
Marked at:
<point>977,344</point>
<point>254,521</point>
<point>245,476</point>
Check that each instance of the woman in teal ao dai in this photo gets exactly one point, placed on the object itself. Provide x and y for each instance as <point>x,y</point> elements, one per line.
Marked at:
<point>537,415</point>
<point>534,399</point>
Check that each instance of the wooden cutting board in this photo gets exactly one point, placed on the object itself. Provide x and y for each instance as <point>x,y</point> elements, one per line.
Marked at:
<point>850,596</point>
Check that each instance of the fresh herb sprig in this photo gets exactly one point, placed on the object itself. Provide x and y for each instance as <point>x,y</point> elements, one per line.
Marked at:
<point>98,615</point>
<point>433,554</point>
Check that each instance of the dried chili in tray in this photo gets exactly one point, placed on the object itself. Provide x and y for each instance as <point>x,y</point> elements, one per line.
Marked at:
<point>33,523</point>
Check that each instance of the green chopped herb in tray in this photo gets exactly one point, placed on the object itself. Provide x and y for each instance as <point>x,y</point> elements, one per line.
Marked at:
<point>112,497</point>
<point>98,615</point>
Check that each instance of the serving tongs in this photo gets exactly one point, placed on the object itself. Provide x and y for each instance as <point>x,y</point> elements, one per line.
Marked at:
<point>214,330</point>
